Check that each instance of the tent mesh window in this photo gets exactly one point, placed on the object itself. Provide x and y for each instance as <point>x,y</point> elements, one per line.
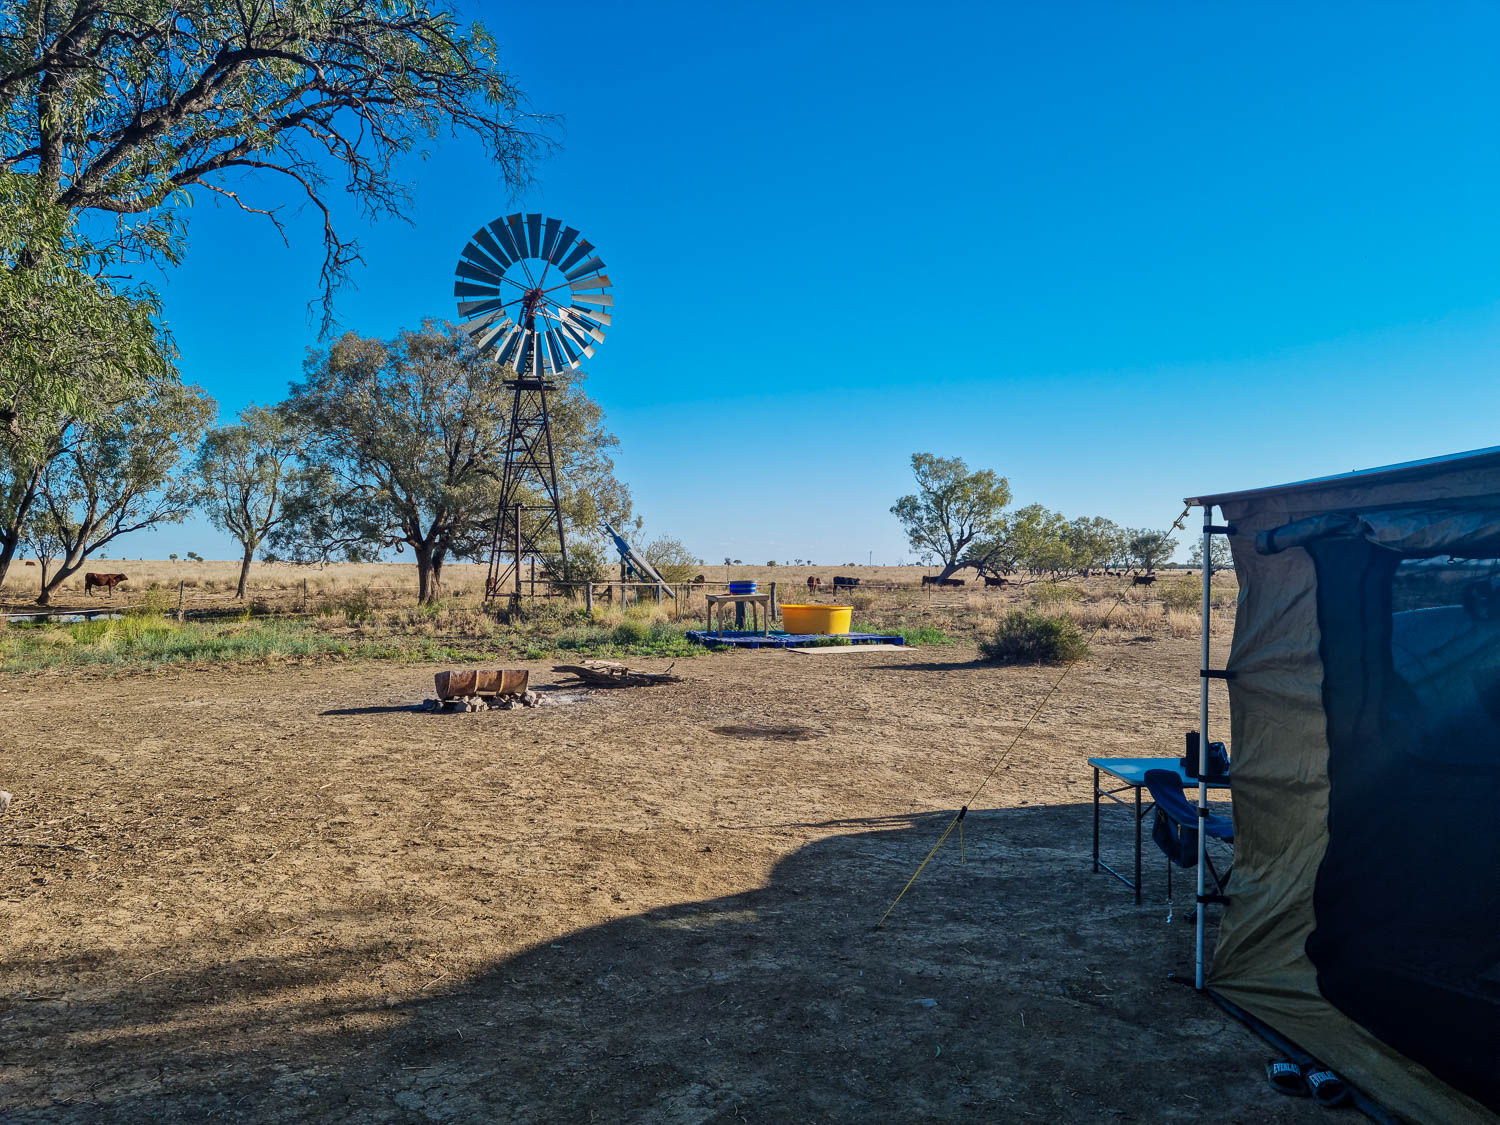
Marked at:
<point>1406,895</point>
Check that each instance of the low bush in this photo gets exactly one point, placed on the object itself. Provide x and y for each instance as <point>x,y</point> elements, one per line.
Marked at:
<point>1054,593</point>
<point>1182,592</point>
<point>1026,637</point>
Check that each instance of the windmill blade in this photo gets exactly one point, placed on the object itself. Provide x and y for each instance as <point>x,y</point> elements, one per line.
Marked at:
<point>469,289</point>
<point>564,240</point>
<point>475,273</point>
<point>505,351</point>
<point>584,331</point>
<point>483,240</point>
<point>488,334</point>
<point>587,283</point>
<point>517,225</point>
<point>475,256</point>
<point>593,315</point>
<point>592,265</point>
<point>603,300</point>
<point>467,310</point>
<point>534,234</point>
<point>549,237</point>
<point>567,347</point>
<point>582,337</point>
<point>581,251</point>
<point>506,240</point>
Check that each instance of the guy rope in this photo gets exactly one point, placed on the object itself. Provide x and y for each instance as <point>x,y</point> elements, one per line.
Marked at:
<point>958,819</point>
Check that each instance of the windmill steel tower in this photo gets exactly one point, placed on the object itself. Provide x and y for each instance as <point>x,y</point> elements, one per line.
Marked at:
<point>533,294</point>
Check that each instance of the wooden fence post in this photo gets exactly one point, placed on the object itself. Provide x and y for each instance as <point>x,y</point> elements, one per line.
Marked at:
<point>588,598</point>
<point>304,595</point>
<point>774,611</point>
<point>179,599</point>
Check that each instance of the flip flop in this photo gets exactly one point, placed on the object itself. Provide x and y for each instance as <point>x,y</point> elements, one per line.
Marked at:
<point>1286,1078</point>
<point>1327,1088</point>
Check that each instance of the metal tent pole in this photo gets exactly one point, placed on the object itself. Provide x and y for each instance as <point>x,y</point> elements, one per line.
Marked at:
<point>1203,743</point>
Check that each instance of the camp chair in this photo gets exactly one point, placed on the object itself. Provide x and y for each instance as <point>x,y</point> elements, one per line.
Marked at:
<point>1176,828</point>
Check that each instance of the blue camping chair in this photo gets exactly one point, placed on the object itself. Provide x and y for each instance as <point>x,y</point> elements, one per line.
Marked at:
<point>1176,828</point>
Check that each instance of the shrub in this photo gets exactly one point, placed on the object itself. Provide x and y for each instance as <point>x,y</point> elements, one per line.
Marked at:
<point>1054,593</point>
<point>1184,592</point>
<point>1026,637</point>
<point>630,632</point>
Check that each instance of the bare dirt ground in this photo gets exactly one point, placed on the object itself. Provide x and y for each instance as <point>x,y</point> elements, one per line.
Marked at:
<point>281,895</point>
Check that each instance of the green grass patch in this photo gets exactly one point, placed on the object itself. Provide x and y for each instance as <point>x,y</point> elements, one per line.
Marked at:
<point>139,641</point>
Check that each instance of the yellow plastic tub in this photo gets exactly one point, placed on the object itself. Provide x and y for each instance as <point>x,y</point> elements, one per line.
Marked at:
<point>832,619</point>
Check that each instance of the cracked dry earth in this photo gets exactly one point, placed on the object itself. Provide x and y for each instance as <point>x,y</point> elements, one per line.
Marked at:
<point>283,895</point>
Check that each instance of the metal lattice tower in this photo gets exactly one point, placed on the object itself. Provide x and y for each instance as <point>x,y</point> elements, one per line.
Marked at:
<point>532,293</point>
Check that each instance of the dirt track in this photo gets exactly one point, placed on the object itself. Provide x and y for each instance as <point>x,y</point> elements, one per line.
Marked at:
<point>279,895</point>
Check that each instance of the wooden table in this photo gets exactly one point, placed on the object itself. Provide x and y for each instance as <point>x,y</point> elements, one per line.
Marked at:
<point>719,601</point>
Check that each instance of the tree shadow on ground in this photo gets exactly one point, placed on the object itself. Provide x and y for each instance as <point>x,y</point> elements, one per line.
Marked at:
<point>1015,986</point>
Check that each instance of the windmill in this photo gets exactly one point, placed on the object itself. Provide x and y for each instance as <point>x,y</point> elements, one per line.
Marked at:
<point>533,294</point>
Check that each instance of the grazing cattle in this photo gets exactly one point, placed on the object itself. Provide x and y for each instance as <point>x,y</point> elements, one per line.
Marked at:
<point>813,582</point>
<point>930,580</point>
<point>30,563</point>
<point>1142,579</point>
<point>699,580</point>
<point>108,581</point>
<point>844,583</point>
<point>988,581</point>
<point>951,582</point>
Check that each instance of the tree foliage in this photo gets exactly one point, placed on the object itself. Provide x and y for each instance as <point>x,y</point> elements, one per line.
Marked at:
<point>406,442</point>
<point>127,110</point>
<point>245,474</point>
<point>951,508</point>
<point>1149,549</point>
<point>1220,557</point>
<point>120,474</point>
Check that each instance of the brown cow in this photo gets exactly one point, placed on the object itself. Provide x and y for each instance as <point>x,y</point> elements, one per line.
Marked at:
<point>30,563</point>
<point>699,580</point>
<point>813,582</point>
<point>108,581</point>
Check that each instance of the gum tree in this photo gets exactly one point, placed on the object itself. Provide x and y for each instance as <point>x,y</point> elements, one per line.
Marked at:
<point>127,111</point>
<point>406,441</point>
<point>121,474</point>
<point>245,474</point>
<point>951,508</point>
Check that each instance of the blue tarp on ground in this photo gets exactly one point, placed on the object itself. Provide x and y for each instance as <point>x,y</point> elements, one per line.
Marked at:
<point>739,639</point>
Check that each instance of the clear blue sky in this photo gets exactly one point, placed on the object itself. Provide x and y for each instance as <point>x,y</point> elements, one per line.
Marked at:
<point>1121,253</point>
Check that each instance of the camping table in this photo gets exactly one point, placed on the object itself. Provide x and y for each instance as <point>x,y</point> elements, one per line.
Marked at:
<point>1132,772</point>
<point>719,601</point>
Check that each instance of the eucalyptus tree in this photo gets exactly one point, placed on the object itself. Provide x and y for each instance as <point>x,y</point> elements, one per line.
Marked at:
<point>245,474</point>
<point>126,112</point>
<point>120,474</point>
<point>73,346</point>
<point>952,508</point>
<point>405,448</point>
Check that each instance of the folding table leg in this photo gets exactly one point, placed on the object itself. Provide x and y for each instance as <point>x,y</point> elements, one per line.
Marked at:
<point>1096,820</point>
<point>1137,845</point>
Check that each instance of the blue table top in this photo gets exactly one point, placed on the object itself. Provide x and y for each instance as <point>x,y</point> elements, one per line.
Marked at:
<point>1132,771</point>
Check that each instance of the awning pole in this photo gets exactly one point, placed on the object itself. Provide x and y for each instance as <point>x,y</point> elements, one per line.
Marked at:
<point>1208,572</point>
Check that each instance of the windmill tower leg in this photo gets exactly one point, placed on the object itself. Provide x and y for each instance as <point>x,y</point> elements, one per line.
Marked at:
<point>524,530</point>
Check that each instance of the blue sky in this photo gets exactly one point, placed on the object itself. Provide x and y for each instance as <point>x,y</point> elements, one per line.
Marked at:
<point>1121,253</point>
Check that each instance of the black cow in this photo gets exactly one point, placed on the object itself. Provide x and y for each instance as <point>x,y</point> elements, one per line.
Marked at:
<point>844,583</point>
<point>988,581</point>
